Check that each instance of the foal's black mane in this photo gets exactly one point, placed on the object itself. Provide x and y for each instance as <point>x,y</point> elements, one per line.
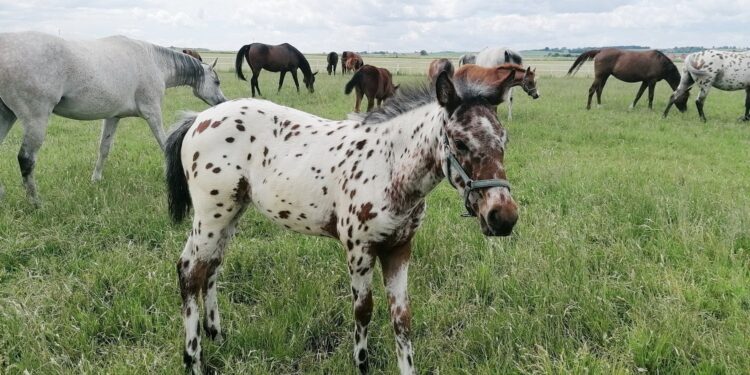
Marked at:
<point>410,97</point>
<point>188,69</point>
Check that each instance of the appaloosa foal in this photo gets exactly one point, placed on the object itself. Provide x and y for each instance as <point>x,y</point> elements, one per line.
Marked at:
<point>361,181</point>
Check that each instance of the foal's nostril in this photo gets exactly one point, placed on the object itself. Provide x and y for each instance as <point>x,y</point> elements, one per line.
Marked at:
<point>501,225</point>
<point>493,218</point>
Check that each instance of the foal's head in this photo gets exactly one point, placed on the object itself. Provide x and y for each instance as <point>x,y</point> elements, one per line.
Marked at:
<point>528,83</point>
<point>474,136</point>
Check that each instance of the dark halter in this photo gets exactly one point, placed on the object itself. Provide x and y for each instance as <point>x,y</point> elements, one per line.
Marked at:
<point>452,163</point>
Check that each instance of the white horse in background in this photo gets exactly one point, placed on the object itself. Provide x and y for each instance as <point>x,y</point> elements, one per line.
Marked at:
<point>108,79</point>
<point>468,58</point>
<point>728,71</point>
<point>494,56</point>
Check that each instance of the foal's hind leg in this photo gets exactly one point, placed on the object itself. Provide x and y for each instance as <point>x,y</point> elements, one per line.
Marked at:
<point>644,84</point>
<point>108,136</point>
<point>599,91</point>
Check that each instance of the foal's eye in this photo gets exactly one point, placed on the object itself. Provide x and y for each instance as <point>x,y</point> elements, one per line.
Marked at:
<point>460,145</point>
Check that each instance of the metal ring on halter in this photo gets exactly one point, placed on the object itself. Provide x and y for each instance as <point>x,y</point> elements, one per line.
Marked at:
<point>470,185</point>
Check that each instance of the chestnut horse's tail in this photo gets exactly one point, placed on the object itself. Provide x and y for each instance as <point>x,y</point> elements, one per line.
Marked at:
<point>354,82</point>
<point>582,58</point>
<point>238,61</point>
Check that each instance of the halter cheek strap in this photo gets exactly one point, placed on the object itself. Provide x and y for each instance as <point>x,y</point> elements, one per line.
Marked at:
<point>452,163</point>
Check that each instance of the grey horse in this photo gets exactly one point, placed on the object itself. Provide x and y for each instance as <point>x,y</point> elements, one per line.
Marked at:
<point>107,78</point>
<point>494,56</point>
<point>468,58</point>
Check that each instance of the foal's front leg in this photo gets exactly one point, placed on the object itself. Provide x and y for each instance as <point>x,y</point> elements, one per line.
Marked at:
<point>395,263</point>
<point>360,268</point>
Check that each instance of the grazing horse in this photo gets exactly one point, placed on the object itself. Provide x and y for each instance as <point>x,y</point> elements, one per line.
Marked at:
<point>374,82</point>
<point>496,76</point>
<point>333,60</point>
<point>193,53</point>
<point>494,56</point>
<point>107,78</point>
<point>365,181</point>
<point>648,67</point>
<point>354,62</point>
<point>469,58</point>
<point>437,66</point>
<point>728,71</point>
<point>281,58</point>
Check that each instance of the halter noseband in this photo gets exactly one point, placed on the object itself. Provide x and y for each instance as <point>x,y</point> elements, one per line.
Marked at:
<point>471,185</point>
<point>526,88</point>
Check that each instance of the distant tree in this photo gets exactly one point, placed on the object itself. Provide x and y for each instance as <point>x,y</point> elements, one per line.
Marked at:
<point>423,53</point>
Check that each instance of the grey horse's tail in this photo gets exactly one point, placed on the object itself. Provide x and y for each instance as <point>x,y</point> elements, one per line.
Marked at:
<point>356,81</point>
<point>582,58</point>
<point>178,194</point>
<point>238,61</point>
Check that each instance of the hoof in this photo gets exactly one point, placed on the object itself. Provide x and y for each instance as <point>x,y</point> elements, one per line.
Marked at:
<point>743,119</point>
<point>213,334</point>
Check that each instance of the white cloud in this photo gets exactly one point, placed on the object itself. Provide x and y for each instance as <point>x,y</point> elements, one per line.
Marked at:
<point>324,25</point>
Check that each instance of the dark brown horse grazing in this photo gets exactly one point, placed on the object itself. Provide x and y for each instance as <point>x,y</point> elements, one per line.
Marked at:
<point>648,67</point>
<point>280,58</point>
<point>193,53</point>
<point>333,60</point>
<point>437,66</point>
<point>374,82</point>
<point>507,76</point>
<point>351,61</point>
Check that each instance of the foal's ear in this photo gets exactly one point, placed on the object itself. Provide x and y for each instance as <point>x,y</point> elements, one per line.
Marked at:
<point>507,56</point>
<point>316,73</point>
<point>214,64</point>
<point>446,93</point>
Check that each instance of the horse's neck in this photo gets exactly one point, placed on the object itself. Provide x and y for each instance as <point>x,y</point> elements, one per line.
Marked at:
<point>415,159</point>
<point>178,69</point>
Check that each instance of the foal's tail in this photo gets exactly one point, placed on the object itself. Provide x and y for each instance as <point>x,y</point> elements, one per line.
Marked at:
<point>238,61</point>
<point>356,81</point>
<point>582,58</point>
<point>178,195</point>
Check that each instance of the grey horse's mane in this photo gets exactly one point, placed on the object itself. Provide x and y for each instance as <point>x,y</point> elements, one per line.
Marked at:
<point>411,97</point>
<point>188,70</point>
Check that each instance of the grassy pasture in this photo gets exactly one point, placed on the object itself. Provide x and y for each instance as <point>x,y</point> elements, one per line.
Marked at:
<point>631,255</point>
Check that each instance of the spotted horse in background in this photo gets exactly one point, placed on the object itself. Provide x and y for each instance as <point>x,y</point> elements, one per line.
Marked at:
<point>728,71</point>
<point>365,182</point>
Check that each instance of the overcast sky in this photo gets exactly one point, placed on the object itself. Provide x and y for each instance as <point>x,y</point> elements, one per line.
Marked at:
<point>404,26</point>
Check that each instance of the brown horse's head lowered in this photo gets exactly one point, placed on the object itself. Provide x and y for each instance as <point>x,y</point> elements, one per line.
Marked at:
<point>526,78</point>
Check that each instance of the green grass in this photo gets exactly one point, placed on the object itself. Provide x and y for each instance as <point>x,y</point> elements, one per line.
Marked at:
<point>631,255</point>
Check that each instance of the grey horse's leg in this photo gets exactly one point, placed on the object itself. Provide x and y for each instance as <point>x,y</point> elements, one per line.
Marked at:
<point>35,130</point>
<point>152,115</point>
<point>7,118</point>
<point>510,104</point>
<point>747,106</point>
<point>639,94</point>
<point>108,136</point>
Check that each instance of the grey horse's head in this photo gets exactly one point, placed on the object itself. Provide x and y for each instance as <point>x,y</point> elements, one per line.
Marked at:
<point>208,88</point>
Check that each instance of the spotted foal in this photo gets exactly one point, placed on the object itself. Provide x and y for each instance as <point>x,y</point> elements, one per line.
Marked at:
<point>365,182</point>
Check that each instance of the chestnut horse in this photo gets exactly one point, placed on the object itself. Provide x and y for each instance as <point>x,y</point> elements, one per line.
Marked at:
<point>499,75</point>
<point>193,53</point>
<point>374,82</point>
<point>437,66</point>
<point>333,60</point>
<point>280,58</point>
<point>648,67</point>
<point>350,62</point>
